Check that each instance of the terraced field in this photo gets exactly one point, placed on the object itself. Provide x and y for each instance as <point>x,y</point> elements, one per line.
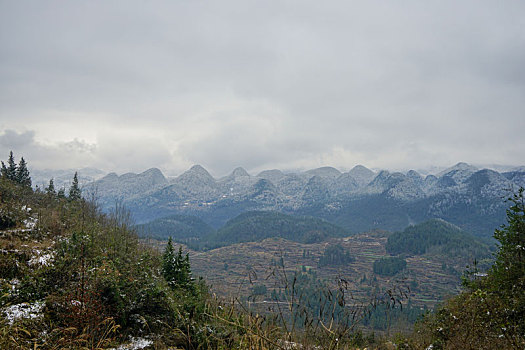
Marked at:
<point>233,271</point>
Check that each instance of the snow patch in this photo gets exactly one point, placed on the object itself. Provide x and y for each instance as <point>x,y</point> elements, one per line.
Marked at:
<point>136,344</point>
<point>23,311</point>
<point>42,260</point>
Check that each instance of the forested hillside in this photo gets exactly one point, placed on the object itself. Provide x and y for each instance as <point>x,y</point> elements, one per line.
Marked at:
<point>258,225</point>
<point>181,228</point>
<point>439,237</point>
<point>489,314</point>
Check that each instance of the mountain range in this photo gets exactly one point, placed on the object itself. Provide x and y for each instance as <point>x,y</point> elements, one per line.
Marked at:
<point>357,200</point>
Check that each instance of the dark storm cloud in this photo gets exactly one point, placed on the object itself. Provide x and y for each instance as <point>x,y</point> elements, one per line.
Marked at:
<point>263,84</point>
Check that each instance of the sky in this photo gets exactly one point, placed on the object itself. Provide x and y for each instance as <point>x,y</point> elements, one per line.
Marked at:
<point>129,85</point>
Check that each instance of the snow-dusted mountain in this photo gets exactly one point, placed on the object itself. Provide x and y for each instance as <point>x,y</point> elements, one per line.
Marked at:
<point>63,178</point>
<point>359,199</point>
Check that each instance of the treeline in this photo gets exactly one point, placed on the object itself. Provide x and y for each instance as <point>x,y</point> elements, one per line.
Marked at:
<point>18,174</point>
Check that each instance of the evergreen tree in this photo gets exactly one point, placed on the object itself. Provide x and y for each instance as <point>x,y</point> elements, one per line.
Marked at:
<point>22,174</point>
<point>74,191</point>
<point>61,193</point>
<point>50,189</point>
<point>176,268</point>
<point>506,279</point>
<point>3,172</point>
<point>11,167</point>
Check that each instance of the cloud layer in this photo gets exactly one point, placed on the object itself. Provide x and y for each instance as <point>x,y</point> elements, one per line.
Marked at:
<point>128,85</point>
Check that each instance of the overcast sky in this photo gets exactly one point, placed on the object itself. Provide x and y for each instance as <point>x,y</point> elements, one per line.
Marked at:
<point>129,85</point>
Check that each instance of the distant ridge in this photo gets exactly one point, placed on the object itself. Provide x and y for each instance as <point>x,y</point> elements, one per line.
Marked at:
<point>358,200</point>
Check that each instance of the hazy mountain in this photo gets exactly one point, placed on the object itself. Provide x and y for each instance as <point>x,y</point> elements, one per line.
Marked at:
<point>326,172</point>
<point>112,187</point>
<point>358,200</point>
<point>63,178</point>
<point>362,175</point>
<point>273,175</point>
<point>459,172</point>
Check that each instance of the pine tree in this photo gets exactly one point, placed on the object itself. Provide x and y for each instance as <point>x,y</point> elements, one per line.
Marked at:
<point>11,167</point>
<point>506,279</point>
<point>50,189</point>
<point>3,172</point>
<point>74,191</point>
<point>61,193</point>
<point>22,174</point>
<point>176,268</point>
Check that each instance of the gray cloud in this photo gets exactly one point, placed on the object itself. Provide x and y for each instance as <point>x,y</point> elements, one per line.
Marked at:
<point>11,138</point>
<point>130,85</point>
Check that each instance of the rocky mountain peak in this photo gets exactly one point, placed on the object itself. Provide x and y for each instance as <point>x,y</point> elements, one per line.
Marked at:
<point>414,175</point>
<point>362,175</point>
<point>324,172</point>
<point>460,167</point>
<point>195,177</point>
<point>273,175</point>
<point>155,175</point>
<point>239,172</point>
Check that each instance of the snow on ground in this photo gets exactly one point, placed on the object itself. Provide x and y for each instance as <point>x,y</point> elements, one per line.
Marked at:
<point>43,260</point>
<point>136,344</point>
<point>23,311</point>
<point>30,223</point>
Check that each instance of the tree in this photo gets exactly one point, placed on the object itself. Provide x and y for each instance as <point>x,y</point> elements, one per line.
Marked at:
<point>61,193</point>
<point>50,189</point>
<point>490,313</point>
<point>11,167</point>
<point>22,174</point>
<point>176,268</point>
<point>3,172</point>
<point>506,279</point>
<point>510,258</point>
<point>74,191</point>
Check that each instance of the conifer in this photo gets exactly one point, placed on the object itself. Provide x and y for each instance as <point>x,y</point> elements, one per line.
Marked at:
<point>74,191</point>
<point>11,167</point>
<point>3,172</point>
<point>22,174</point>
<point>176,268</point>
<point>50,189</point>
<point>61,193</point>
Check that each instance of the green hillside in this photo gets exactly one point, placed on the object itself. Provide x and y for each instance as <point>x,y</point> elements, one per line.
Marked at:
<point>436,236</point>
<point>258,225</point>
<point>181,228</point>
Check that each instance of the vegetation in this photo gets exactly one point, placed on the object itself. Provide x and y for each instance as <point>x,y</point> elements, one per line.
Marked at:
<point>437,236</point>
<point>176,268</point>
<point>258,225</point>
<point>335,255</point>
<point>489,314</point>
<point>389,266</point>
<point>73,277</point>
<point>181,228</point>
<point>17,174</point>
